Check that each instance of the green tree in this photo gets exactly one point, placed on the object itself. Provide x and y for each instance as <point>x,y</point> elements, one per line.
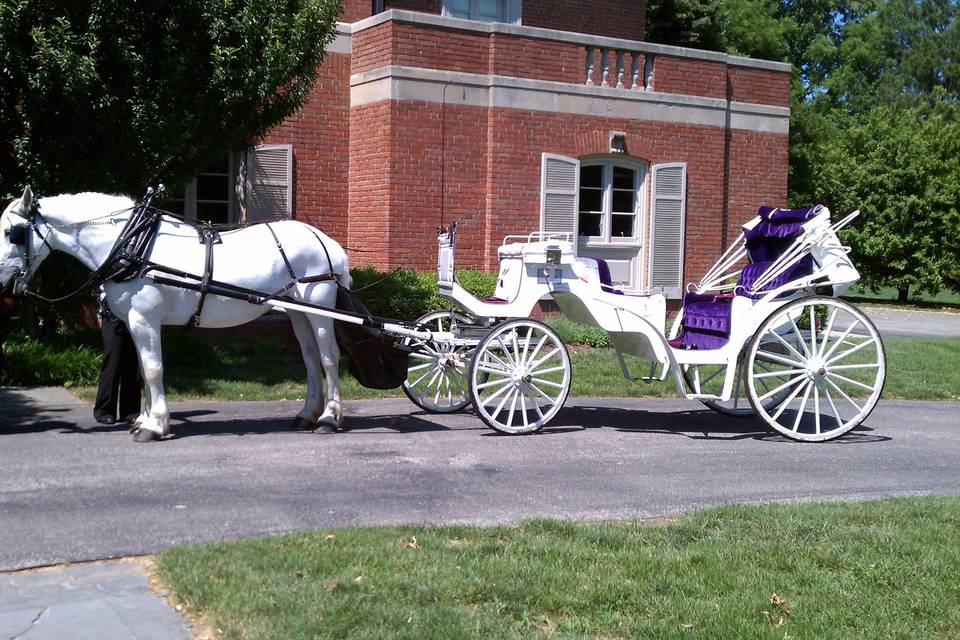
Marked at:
<point>901,167</point>
<point>111,94</point>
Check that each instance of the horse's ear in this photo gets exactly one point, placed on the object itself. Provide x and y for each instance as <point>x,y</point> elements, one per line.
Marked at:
<point>26,202</point>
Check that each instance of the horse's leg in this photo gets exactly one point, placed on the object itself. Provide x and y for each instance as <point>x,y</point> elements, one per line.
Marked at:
<point>313,407</point>
<point>154,423</point>
<point>332,416</point>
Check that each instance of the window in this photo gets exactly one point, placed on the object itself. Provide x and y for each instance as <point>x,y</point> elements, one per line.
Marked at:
<point>610,200</point>
<point>209,197</point>
<point>483,10</point>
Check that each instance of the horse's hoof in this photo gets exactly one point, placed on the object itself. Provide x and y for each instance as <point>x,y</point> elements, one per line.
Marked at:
<point>303,424</point>
<point>145,435</point>
<point>326,425</point>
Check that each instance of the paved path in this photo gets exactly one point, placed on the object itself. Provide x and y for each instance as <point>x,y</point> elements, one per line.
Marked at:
<point>72,490</point>
<point>899,323</point>
<point>101,601</point>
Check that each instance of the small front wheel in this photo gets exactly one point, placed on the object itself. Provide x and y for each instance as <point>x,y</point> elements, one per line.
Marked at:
<point>520,376</point>
<point>822,363</point>
<point>436,378</point>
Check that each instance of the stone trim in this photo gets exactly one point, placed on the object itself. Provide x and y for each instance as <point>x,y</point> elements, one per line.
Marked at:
<point>417,84</point>
<point>343,40</point>
<point>584,39</point>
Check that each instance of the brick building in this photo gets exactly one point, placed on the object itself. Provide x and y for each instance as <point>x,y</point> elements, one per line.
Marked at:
<point>516,115</point>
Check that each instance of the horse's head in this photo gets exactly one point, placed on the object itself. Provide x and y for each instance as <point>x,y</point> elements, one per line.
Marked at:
<point>21,248</point>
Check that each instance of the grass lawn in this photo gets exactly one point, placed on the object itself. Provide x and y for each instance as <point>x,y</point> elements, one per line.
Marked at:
<point>863,570</point>
<point>889,294</point>
<point>917,369</point>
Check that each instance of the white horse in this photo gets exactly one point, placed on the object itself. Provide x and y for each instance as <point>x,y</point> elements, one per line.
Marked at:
<point>86,225</point>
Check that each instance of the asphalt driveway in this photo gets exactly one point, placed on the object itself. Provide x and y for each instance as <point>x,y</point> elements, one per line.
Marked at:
<point>73,490</point>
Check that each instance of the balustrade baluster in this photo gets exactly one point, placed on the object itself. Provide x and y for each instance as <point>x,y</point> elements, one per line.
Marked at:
<point>604,68</point>
<point>648,71</point>
<point>589,64</point>
<point>635,71</point>
<point>619,69</point>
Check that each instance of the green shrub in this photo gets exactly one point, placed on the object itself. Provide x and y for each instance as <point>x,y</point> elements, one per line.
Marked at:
<point>405,294</point>
<point>61,361</point>
<point>573,333</point>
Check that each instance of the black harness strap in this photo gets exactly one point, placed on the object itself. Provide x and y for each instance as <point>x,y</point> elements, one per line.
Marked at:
<point>283,254</point>
<point>208,237</point>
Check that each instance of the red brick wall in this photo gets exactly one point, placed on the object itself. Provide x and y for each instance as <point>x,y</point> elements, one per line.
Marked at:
<point>372,47</point>
<point>690,76</point>
<point>354,10</point>
<point>758,85</point>
<point>612,18</point>
<point>371,171</point>
<point>320,135</point>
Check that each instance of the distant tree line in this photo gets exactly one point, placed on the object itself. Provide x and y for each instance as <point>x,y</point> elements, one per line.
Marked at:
<point>875,121</point>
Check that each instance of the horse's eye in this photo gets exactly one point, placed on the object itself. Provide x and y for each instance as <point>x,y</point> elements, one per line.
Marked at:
<point>17,234</point>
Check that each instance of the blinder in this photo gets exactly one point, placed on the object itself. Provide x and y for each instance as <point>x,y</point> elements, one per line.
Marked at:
<point>18,233</point>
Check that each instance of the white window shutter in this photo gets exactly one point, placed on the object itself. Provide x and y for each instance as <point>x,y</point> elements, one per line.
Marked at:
<point>559,194</point>
<point>667,227</point>
<point>269,183</point>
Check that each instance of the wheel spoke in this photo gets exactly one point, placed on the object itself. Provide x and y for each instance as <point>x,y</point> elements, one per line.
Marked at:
<point>491,383</point>
<point>420,366</point>
<point>506,351</point>
<point>833,407</point>
<point>779,374</point>
<point>541,392</point>
<point>523,409</point>
<point>843,337</point>
<point>503,400</point>
<point>788,400</point>
<point>849,351</point>
<point>776,357</point>
<point>870,365</point>
<point>533,402</point>
<point>787,344</point>
<point>856,383</point>
<point>516,347</point>
<point>495,357</point>
<point>536,349</point>
<point>803,406</point>
<point>544,358</point>
<point>826,334</point>
<point>493,370</point>
<point>541,372</point>
<point>423,356</point>
<point>526,345</point>
<point>736,388</point>
<point>800,340</point>
<point>460,389</point>
<point>418,380</point>
<point>709,377</point>
<point>813,329</point>
<point>513,408</point>
<point>549,383</point>
<point>788,383</point>
<point>844,394</point>
<point>816,407</point>
<point>496,394</point>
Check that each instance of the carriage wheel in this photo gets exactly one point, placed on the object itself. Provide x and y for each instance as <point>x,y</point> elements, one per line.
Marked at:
<point>830,363</point>
<point>520,376</point>
<point>437,376</point>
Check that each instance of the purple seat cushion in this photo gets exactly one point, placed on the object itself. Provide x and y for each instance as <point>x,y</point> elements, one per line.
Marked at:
<point>706,321</point>
<point>787,215</point>
<point>752,272</point>
<point>495,301</point>
<point>606,281</point>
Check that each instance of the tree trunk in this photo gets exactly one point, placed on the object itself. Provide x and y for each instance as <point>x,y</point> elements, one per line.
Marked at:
<point>902,294</point>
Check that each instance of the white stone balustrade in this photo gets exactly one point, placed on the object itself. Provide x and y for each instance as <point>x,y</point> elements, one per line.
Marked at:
<point>597,68</point>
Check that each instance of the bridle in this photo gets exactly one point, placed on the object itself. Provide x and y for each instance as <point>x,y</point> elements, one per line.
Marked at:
<point>122,262</point>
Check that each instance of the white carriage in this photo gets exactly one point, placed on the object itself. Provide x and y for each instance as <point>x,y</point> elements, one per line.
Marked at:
<point>763,333</point>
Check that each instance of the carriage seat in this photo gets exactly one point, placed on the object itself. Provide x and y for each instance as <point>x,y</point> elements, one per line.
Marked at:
<point>596,270</point>
<point>706,317</point>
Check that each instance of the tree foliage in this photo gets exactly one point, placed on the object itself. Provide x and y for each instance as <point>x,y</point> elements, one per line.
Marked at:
<point>874,109</point>
<point>111,94</point>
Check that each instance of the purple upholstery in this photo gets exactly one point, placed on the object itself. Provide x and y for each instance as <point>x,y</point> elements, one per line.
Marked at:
<point>495,301</point>
<point>706,321</point>
<point>606,281</point>
<point>775,232</point>
<point>752,272</point>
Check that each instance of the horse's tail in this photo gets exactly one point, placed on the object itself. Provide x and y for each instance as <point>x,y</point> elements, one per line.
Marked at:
<point>343,278</point>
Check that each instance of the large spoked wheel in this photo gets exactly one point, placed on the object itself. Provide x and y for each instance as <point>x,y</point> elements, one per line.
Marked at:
<point>437,376</point>
<point>830,363</point>
<point>520,376</point>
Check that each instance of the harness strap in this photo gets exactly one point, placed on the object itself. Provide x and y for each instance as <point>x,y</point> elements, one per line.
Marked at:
<point>209,237</point>
<point>283,254</point>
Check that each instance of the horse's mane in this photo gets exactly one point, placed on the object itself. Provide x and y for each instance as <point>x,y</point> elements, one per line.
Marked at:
<point>79,207</point>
